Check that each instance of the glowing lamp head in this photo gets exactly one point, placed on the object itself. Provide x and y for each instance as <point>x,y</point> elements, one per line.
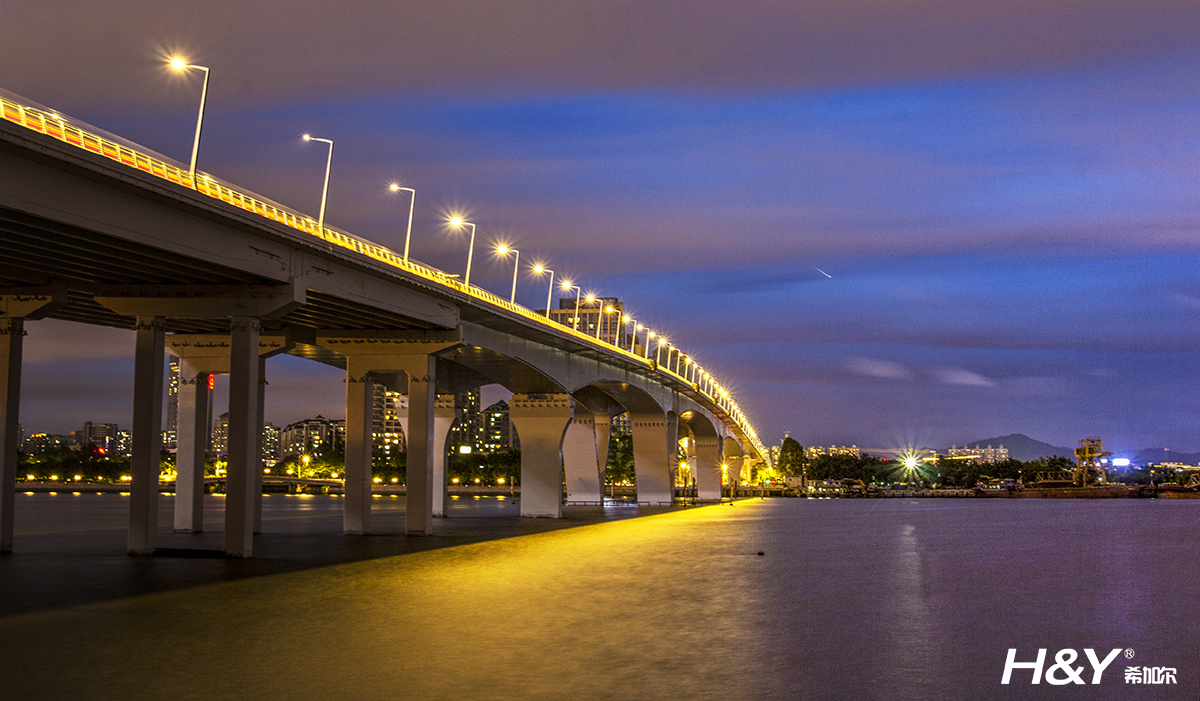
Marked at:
<point>910,462</point>
<point>566,285</point>
<point>308,137</point>
<point>178,64</point>
<point>609,310</point>
<point>591,298</point>
<point>502,249</point>
<point>625,319</point>
<point>394,187</point>
<point>539,268</point>
<point>456,221</point>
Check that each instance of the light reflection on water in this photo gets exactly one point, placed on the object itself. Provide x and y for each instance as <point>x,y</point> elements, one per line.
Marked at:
<point>851,599</point>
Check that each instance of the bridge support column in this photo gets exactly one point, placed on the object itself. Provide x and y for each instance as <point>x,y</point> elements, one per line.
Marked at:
<point>201,356</point>
<point>541,421</point>
<point>16,305</point>
<point>580,458</point>
<point>707,467</point>
<point>653,453</point>
<point>243,461</point>
<point>412,354</point>
<point>191,438</point>
<point>422,392</point>
<point>603,423</point>
<point>147,435</point>
<point>12,332</point>
<point>360,403</point>
<point>260,421</point>
<point>731,455</point>
<point>443,420</point>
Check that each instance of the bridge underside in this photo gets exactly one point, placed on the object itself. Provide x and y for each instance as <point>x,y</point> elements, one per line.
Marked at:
<point>35,252</point>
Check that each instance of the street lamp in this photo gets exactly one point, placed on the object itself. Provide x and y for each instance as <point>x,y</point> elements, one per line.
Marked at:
<point>567,287</point>
<point>325,190</point>
<point>539,269</point>
<point>180,65</point>
<point>504,251</point>
<point>599,312</point>
<point>458,222</point>
<point>649,337</point>
<point>412,202</point>
<point>604,312</point>
<point>625,321</point>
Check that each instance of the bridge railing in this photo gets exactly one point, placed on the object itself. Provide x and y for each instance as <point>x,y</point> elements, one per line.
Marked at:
<point>58,127</point>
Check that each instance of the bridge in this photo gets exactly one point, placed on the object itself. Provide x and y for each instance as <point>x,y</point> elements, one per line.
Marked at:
<point>98,230</point>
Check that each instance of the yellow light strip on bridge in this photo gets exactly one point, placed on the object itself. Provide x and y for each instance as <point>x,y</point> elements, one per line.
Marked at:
<point>57,127</point>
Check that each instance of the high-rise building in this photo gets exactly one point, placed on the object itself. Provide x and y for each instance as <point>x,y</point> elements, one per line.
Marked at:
<point>468,430</point>
<point>498,431</point>
<point>103,436</point>
<point>270,444</point>
<point>41,442</point>
<point>220,435</point>
<point>386,432</point>
<point>172,426</point>
<point>123,444</point>
<point>591,314</point>
<point>305,436</point>
<point>621,425</point>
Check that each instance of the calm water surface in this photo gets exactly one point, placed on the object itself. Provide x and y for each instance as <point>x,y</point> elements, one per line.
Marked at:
<point>851,599</point>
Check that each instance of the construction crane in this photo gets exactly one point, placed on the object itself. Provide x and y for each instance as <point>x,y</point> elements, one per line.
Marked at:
<point>1090,464</point>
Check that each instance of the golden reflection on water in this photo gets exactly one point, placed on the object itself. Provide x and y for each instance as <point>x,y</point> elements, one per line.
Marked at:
<point>566,613</point>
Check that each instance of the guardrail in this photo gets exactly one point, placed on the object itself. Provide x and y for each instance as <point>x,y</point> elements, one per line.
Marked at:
<point>58,127</point>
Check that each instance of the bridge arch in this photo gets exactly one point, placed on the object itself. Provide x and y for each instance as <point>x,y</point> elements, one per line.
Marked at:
<point>704,453</point>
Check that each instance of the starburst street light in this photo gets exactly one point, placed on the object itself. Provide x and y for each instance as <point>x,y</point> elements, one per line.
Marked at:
<point>181,65</point>
<point>603,316</point>
<point>504,250</point>
<point>412,202</point>
<point>457,222</point>
<point>567,287</point>
<point>591,299</point>
<point>324,190</point>
<point>539,269</point>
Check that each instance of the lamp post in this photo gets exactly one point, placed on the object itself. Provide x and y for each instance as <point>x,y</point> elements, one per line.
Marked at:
<point>567,287</point>
<point>649,337</point>
<point>604,312</point>
<point>412,202</point>
<point>625,320</point>
<point>325,190</point>
<point>180,65</point>
<point>539,269</point>
<point>458,222</point>
<point>504,251</point>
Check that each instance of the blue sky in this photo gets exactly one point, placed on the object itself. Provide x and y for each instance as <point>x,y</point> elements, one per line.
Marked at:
<point>1005,195</point>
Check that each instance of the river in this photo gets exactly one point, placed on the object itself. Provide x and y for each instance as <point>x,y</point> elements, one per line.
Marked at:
<point>849,599</point>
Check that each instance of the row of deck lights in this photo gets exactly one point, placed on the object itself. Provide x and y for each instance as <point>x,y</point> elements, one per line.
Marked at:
<point>692,372</point>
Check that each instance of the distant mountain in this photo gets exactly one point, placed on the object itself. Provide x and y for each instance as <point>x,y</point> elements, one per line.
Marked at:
<point>1153,455</point>
<point>1024,448</point>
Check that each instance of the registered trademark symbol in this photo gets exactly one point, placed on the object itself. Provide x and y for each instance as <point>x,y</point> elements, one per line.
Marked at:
<point>1129,653</point>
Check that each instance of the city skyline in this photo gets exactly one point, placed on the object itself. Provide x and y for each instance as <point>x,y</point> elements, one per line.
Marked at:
<point>888,236</point>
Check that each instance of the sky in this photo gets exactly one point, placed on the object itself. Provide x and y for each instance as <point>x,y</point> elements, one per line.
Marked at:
<point>878,222</point>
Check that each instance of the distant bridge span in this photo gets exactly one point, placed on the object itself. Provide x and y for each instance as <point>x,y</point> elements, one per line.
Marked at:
<point>97,230</point>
